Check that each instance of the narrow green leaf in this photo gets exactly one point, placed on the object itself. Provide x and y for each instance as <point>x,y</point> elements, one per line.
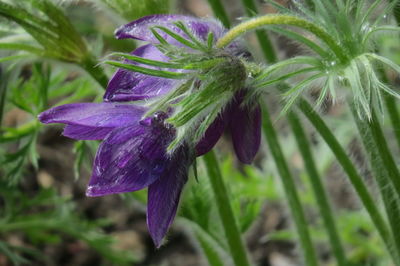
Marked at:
<point>385,61</point>
<point>23,47</point>
<point>195,40</point>
<point>159,37</point>
<point>178,38</point>
<point>284,77</point>
<point>294,93</point>
<point>14,57</point>
<point>148,61</point>
<point>301,39</point>
<point>147,71</point>
<point>210,40</point>
<point>308,60</point>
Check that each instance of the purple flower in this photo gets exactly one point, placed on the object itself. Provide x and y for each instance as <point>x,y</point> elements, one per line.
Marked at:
<point>133,153</point>
<point>131,157</point>
<point>243,122</point>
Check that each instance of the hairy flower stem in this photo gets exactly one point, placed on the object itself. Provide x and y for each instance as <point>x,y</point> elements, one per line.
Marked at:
<point>297,128</point>
<point>266,20</point>
<point>347,165</point>
<point>290,190</point>
<point>390,199</point>
<point>96,72</point>
<point>318,188</point>
<point>280,161</point>
<point>3,91</point>
<point>390,101</point>
<point>232,233</point>
<point>394,116</point>
<point>384,152</point>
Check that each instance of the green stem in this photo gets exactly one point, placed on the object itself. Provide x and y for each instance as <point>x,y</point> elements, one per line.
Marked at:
<point>219,12</point>
<point>90,65</point>
<point>394,116</point>
<point>281,20</point>
<point>389,196</point>
<point>349,168</point>
<point>396,12</point>
<point>231,229</point>
<point>3,91</point>
<point>280,161</point>
<point>318,188</point>
<point>389,100</point>
<point>263,39</point>
<point>391,107</point>
<point>384,152</point>
<point>290,189</point>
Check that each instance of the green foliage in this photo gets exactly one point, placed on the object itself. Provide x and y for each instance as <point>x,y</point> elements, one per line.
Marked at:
<point>133,9</point>
<point>353,25</point>
<point>46,217</point>
<point>29,84</point>
<point>50,28</point>
<point>31,96</point>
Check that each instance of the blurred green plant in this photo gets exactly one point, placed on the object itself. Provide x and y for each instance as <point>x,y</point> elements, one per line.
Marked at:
<point>133,9</point>
<point>30,95</point>
<point>53,35</point>
<point>29,86</point>
<point>44,219</point>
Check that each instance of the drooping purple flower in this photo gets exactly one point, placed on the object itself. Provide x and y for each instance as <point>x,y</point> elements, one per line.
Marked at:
<point>243,121</point>
<point>131,157</point>
<point>133,153</point>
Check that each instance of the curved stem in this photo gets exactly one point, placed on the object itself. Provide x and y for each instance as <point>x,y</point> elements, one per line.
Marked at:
<point>318,189</point>
<point>231,229</point>
<point>290,190</point>
<point>281,20</point>
<point>355,179</point>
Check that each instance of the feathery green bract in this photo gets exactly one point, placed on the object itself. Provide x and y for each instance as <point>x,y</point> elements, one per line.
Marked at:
<point>48,25</point>
<point>353,25</point>
<point>209,79</point>
<point>146,71</point>
<point>210,92</point>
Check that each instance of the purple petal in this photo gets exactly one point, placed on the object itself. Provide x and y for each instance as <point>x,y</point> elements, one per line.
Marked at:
<point>100,115</point>
<point>86,133</point>
<point>140,29</point>
<point>211,137</point>
<point>129,159</point>
<point>245,127</point>
<point>132,86</point>
<point>164,194</point>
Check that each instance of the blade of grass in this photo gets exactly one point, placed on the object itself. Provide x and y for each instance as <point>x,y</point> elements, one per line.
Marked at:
<point>220,12</point>
<point>318,189</point>
<point>290,189</point>
<point>232,233</point>
<point>351,171</point>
